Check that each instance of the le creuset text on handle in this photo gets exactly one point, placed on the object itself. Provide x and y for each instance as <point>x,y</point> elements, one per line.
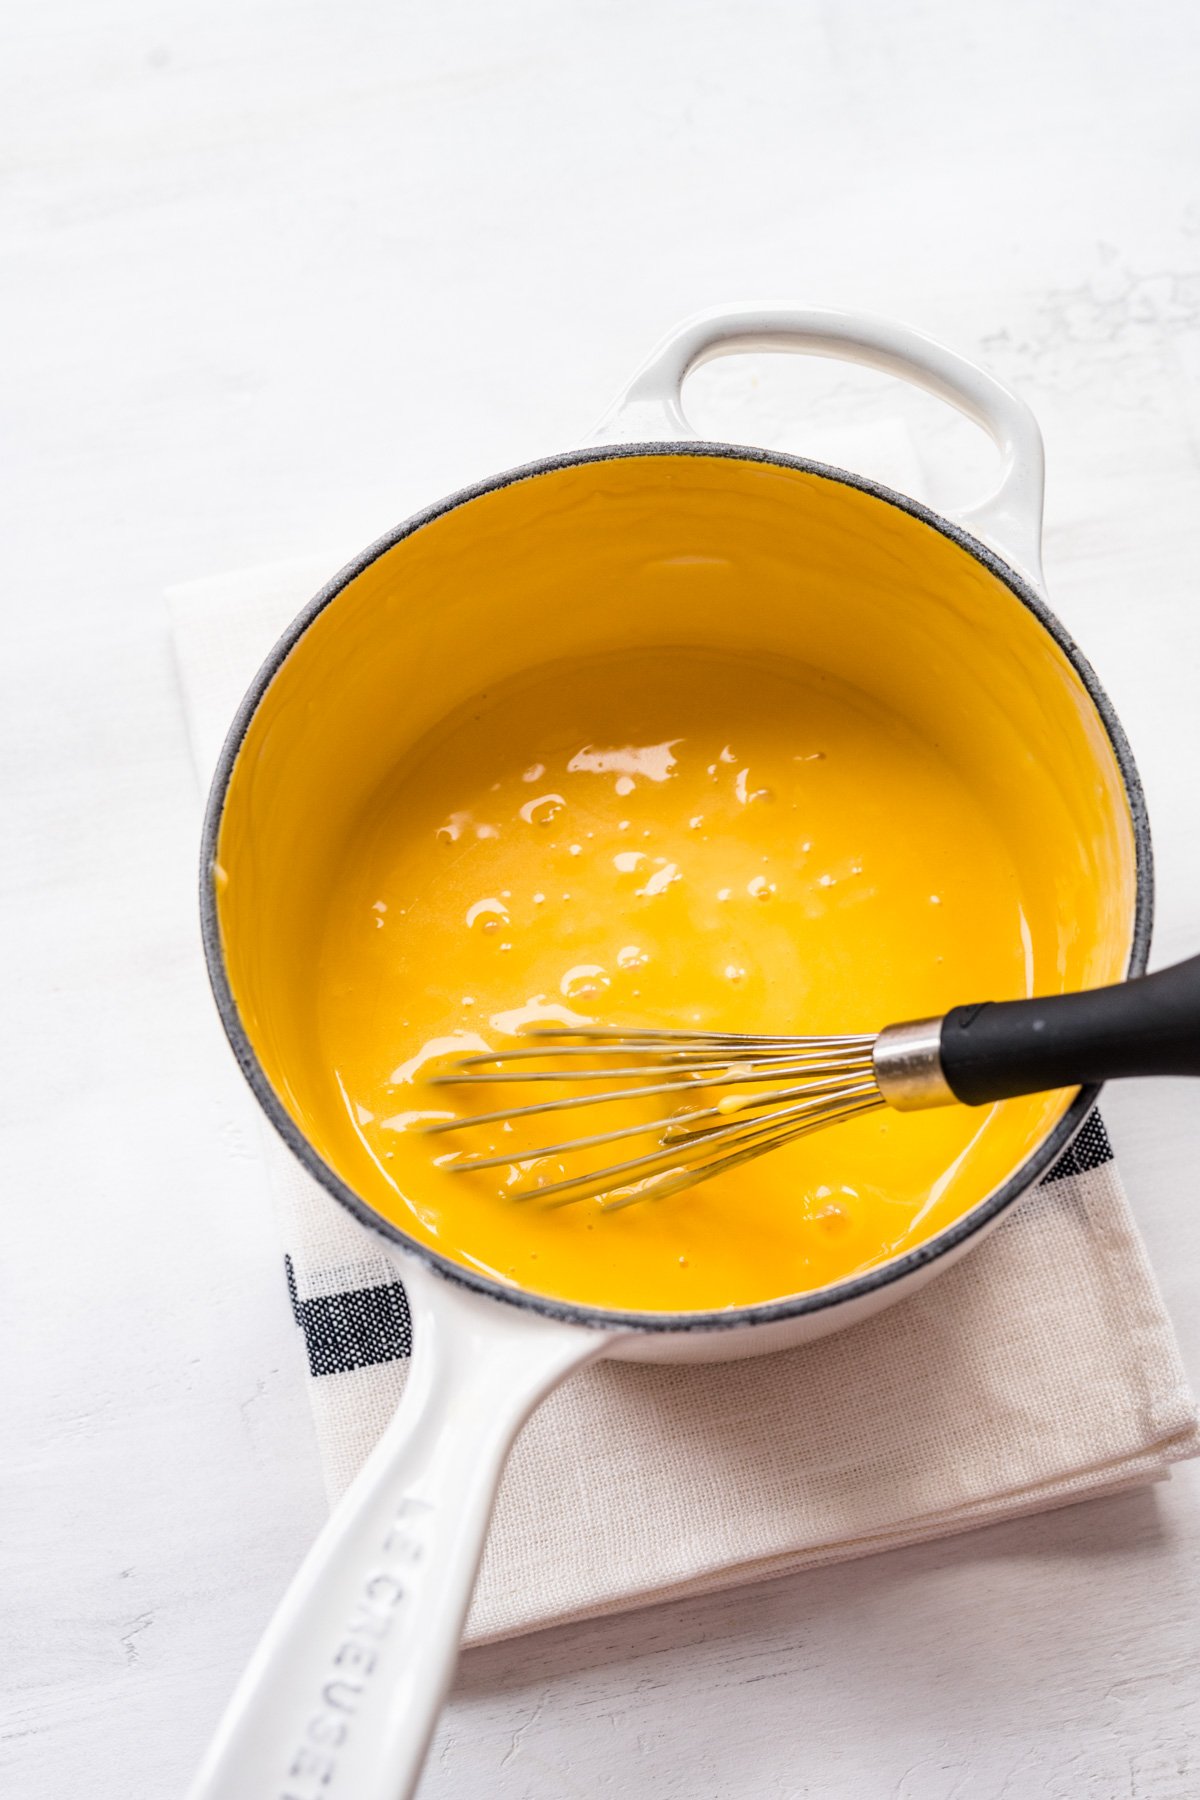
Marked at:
<point>341,1697</point>
<point>1010,519</point>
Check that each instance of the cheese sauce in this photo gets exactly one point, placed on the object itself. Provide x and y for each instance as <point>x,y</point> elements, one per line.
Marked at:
<point>682,839</point>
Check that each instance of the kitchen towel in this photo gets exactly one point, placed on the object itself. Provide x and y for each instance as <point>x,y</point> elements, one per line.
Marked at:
<point>1039,1370</point>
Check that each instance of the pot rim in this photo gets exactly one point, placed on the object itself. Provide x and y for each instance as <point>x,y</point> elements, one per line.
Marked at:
<point>1039,1161</point>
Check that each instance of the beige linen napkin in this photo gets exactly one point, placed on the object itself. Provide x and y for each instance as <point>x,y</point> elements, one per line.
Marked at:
<point>1039,1370</point>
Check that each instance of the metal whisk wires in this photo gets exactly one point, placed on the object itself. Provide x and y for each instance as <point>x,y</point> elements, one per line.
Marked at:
<point>768,1090</point>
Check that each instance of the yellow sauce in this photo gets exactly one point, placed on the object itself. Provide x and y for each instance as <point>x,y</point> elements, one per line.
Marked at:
<point>863,704</point>
<point>683,839</point>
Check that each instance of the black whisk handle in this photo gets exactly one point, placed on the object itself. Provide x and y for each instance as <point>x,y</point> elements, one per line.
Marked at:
<point>1147,1026</point>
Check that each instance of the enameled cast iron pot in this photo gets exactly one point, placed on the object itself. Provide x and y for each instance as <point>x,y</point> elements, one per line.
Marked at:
<point>723,546</point>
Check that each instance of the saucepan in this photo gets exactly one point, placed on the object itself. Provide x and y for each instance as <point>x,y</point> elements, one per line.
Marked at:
<point>722,545</point>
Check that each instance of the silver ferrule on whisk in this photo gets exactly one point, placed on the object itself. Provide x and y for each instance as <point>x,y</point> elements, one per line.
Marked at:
<point>907,1060</point>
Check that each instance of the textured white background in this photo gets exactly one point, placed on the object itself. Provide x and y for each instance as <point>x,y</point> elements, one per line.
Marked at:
<point>274,274</point>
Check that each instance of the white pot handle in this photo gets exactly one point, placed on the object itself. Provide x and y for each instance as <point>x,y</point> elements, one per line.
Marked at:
<point>1010,519</point>
<point>341,1697</point>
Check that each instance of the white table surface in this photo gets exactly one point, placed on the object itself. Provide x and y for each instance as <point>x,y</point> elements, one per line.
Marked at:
<point>274,274</point>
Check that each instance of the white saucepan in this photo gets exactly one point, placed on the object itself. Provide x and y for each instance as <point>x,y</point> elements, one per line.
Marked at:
<point>341,1697</point>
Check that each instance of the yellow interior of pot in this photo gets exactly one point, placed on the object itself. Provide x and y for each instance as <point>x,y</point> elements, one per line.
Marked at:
<point>749,563</point>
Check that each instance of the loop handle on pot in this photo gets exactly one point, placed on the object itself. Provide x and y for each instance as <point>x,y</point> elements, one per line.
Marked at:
<point>1010,519</point>
<point>344,1690</point>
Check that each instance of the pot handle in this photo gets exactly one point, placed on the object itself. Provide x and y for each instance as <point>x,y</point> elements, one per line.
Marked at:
<point>344,1690</point>
<point>1010,519</point>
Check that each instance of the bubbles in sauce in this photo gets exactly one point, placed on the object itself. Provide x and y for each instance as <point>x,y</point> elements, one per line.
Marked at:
<point>675,839</point>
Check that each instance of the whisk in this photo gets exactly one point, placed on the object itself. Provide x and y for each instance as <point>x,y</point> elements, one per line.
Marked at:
<point>759,1092</point>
